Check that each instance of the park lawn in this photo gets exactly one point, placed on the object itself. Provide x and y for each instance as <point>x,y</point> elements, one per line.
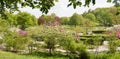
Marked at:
<point>9,55</point>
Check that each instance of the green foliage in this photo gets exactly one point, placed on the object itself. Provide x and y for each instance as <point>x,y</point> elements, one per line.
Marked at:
<point>74,3</point>
<point>69,44</point>
<point>74,49</point>
<point>35,32</point>
<point>22,19</point>
<point>97,17</point>
<point>43,5</point>
<point>1,41</point>
<point>117,20</point>
<point>93,40</point>
<point>13,5</point>
<point>103,17</point>
<point>11,18</point>
<point>90,16</point>
<point>4,25</point>
<point>83,54</point>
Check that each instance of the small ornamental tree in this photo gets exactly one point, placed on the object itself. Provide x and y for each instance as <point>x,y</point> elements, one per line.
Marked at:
<point>51,36</point>
<point>75,49</point>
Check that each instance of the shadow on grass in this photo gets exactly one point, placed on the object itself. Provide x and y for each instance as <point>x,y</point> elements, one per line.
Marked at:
<point>47,55</point>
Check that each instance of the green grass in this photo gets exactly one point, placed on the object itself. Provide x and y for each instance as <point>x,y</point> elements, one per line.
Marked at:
<point>105,56</point>
<point>40,55</point>
<point>115,56</point>
<point>9,55</point>
<point>99,56</point>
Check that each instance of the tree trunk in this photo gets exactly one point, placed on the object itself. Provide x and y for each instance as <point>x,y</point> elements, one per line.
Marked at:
<point>50,51</point>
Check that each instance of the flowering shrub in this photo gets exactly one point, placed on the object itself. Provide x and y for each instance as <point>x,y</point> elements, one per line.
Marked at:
<point>51,36</point>
<point>15,41</point>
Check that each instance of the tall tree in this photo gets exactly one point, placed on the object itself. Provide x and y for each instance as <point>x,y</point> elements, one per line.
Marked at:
<point>25,20</point>
<point>76,19</point>
<point>90,16</point>
<point>65,20</point>
<point>104,17</point>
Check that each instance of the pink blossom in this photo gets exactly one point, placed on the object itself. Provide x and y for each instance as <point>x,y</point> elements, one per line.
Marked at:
<point>22,32</point>
<point>118,34</point>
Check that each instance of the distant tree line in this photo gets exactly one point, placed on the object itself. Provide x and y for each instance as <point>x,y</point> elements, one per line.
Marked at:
<point>97,17</point>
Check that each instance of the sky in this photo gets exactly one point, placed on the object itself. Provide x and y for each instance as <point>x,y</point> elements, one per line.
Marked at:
<point>61,9</point>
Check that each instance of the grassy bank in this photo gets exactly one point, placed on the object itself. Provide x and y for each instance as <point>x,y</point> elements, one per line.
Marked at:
<point>9,55</point>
